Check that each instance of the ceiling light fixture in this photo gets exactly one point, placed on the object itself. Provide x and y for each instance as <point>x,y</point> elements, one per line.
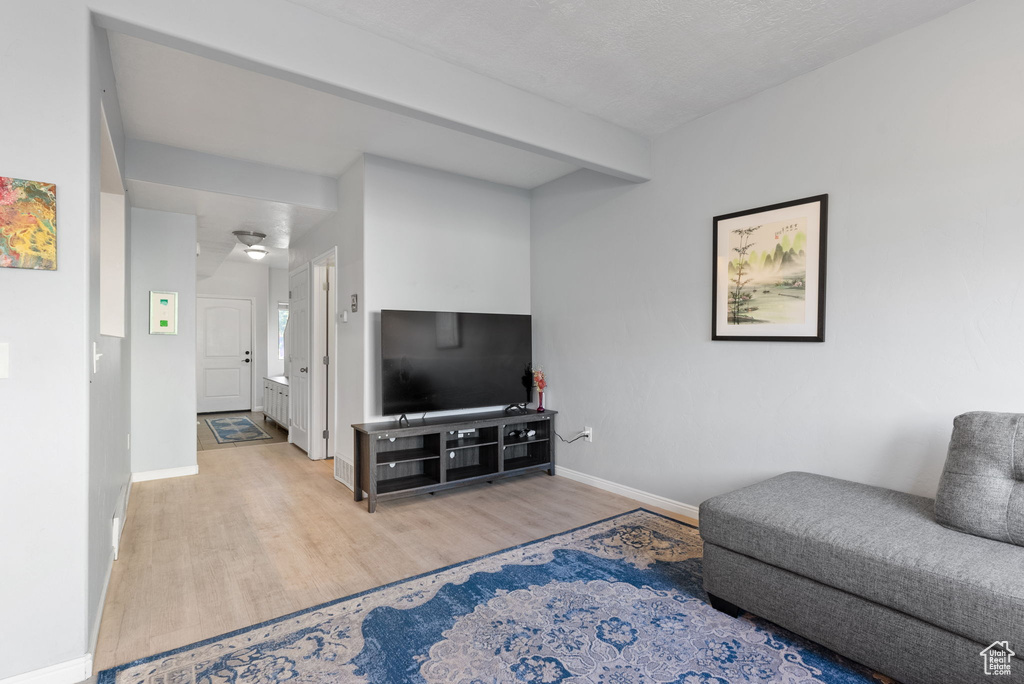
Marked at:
<point>250,239</point>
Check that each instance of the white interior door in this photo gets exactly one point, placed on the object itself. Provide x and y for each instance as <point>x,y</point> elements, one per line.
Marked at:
<point>224,356</point>
<point>321,384</point>
<point>298,357</point>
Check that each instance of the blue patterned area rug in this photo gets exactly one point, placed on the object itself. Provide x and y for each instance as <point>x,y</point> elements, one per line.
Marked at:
<point>235,429</point>
<point>615,602</point>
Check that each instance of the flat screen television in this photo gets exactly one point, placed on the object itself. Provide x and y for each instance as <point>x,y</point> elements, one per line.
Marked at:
<point>442,361</point>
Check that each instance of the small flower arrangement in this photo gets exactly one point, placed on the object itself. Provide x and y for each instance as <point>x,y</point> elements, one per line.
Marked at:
<point>541,383</point>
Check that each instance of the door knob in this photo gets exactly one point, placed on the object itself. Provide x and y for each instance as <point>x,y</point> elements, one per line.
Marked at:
<point>247,360</point>
<point>304,370</point>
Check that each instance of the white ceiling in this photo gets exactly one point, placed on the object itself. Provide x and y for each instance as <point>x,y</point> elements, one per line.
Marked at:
<point>176,98</point>
<point>647,65</point>
<point>218,215</point>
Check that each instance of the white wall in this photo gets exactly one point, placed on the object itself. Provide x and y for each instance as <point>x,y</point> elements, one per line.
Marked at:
<point>438,241</point>
<point>414,238</point>
<point>234,279</point>
<point>44,404</point>
<point>277,293</point>
<point>919,143</point>
<point>163,258</point>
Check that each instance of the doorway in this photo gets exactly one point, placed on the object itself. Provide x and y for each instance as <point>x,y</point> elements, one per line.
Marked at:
<point>224,358</point>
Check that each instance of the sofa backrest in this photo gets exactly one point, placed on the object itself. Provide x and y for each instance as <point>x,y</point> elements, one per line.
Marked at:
<point>981,491</point>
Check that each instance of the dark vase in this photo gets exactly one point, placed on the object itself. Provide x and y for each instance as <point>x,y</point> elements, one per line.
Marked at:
<point>540,402</point>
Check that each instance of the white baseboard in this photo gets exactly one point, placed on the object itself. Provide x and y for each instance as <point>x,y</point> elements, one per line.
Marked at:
<point>124,512</point>
<point>94,634</point>
<point>164,474</point>
<point>257,409</point>
<point>70,672</point>
<point>629,492</point>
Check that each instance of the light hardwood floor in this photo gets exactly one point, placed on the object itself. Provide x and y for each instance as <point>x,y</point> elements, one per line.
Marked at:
<point>262,531</point>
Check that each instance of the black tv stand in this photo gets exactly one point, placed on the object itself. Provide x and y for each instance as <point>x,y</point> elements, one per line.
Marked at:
<point>396,459</point>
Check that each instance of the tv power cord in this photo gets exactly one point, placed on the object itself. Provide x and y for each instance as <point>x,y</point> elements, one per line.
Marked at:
<point>583,433</point>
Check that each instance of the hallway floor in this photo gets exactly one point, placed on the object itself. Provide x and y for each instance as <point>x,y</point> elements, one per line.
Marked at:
<point>206,441</point>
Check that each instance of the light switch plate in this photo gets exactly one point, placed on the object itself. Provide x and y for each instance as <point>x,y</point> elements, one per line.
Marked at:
<point>96,356</point>
<point>5,360</point>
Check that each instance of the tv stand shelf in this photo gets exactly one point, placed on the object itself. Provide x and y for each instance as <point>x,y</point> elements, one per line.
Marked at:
<point>394,460</point>
<point>407,455</point>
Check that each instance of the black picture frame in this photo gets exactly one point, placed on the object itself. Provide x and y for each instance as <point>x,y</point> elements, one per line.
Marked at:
<point>733,316</point>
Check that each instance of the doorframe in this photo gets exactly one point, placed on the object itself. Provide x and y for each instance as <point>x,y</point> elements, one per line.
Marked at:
<point>323,393</point>
<point>252,344</point>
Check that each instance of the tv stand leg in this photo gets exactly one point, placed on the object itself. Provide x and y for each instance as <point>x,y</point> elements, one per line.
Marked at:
<point>371,505</point>
<point>357,467</point>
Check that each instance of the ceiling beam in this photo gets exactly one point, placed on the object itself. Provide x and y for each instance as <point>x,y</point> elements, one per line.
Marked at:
<point>290,42</point>
<point>165,165</point>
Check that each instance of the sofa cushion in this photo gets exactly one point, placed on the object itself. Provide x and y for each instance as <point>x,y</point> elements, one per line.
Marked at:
<point>881,545</point>
<point>982,487</point>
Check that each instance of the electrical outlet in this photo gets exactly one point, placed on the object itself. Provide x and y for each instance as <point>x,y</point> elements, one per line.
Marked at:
<point>588,434</point>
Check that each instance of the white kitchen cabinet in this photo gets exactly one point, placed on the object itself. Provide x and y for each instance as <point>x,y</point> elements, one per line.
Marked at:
<point>275,400</point>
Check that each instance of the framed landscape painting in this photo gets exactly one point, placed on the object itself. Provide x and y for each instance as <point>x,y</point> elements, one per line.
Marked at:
<point>769,273</point>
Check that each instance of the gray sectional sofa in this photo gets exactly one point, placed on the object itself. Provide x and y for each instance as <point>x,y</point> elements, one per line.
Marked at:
<point>871,574</point>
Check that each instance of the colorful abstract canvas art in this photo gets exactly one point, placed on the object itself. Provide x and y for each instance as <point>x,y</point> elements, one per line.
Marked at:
<point>28,224</point>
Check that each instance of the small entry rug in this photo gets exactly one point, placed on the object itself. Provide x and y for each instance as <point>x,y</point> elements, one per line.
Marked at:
<point>615,602</point>
<point>235,429</point>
